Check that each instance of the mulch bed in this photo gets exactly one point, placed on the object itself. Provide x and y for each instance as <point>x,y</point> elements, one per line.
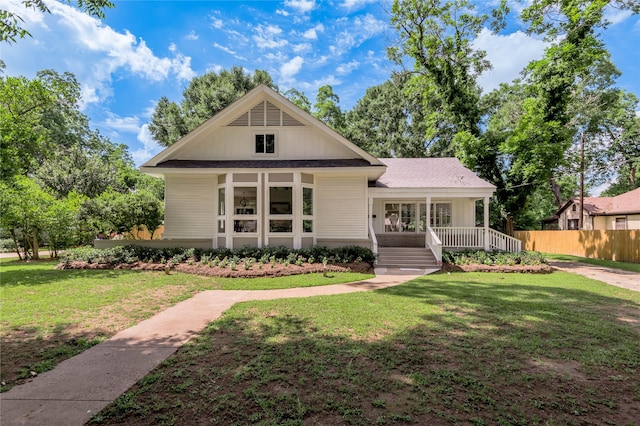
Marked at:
<point>277,270</point>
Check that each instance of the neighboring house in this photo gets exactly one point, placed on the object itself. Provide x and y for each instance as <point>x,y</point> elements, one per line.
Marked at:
<point>263,172</point>
<point>600,213</point>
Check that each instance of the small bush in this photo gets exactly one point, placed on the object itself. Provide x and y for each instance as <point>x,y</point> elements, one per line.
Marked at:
<point>481,257</point>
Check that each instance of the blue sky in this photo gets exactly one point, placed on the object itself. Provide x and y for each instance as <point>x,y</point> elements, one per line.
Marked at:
<point>144,50</point>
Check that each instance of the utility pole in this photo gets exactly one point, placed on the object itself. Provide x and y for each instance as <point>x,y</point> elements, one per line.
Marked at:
<point>581,219</point>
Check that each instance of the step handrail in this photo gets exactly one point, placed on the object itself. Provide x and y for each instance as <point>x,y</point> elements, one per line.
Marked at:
<point>374,239</point>
<point>434,244</point>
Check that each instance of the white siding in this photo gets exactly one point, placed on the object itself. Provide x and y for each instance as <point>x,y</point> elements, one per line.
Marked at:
<point>190,206</point>
<point>341,206</point>
<point>237,143</point>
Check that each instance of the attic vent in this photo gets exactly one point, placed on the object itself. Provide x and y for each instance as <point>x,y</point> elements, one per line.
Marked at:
<point>265,114</point>
<point>288,120</point>
<point>273,115</point>
<point>257,115</point>
<point>243,120</point>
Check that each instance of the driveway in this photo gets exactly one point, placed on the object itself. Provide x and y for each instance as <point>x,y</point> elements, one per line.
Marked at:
<point>617,277</point>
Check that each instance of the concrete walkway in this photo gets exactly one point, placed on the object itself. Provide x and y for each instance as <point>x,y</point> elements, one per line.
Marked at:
<point>81,386</point>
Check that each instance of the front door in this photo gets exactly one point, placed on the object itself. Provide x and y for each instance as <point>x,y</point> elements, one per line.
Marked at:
<point>400,217</point>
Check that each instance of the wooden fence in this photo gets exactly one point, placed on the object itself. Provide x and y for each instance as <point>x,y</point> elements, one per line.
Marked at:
<point>623,246</point>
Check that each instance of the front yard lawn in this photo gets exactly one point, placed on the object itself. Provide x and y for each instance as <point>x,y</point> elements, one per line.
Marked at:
<point>459,348</point>
<point>49,315</point>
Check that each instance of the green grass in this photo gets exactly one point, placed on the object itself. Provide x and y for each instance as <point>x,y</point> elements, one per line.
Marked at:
<point>626,266</point>
<point>460,348</point>
<point>48,315</point>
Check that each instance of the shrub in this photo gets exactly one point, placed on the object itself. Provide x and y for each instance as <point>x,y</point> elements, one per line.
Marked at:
<point>482,257</point>
<point>245,255</point>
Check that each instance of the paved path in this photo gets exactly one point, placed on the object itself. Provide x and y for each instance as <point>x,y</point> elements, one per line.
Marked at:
<point>617,277</point>
<point>81,386</point>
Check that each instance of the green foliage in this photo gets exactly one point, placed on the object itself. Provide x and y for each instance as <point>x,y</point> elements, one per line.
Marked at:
<point>327,110</point>
<point>482,257</point>
<point>206,95</point>
<point>133,253</point>
<point>388,121</point>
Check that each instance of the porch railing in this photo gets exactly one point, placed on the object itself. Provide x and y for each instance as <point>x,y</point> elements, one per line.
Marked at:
<point>432,241</point>
<point>472,237</point>
<point>500,241</point>
<point>461,237</point>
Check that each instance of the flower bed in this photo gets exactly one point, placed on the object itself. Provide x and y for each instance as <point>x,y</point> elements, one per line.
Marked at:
<point>496,261</point>
<point>245,262</point>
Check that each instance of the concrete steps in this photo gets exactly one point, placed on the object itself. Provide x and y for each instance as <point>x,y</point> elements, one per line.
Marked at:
<point>406,258</point>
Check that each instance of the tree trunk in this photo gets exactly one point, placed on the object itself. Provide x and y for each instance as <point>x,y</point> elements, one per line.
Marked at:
<point>508,226</point>
<point>15,242</point>
<point>35,247</point>
<point>632,175</point>
<point>555,188</point>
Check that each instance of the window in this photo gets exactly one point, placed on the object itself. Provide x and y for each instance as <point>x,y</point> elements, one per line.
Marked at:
<point>307,210</point>
<point>621,223</point>
<point>440,215</point>
<point>245,205</point>
<point>281,204</point>
<point>572,224</point>
<point>573,208</point>
<point>265,143</point>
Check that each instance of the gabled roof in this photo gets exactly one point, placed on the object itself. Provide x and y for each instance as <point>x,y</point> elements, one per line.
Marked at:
<point>233,112</point>
<point>627,203</point>
<point>429,173</point>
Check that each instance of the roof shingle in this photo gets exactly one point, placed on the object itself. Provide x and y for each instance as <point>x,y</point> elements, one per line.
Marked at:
<point>429,173</point>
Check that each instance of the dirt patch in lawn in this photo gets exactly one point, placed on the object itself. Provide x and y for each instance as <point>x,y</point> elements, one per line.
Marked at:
<point>241,270</point>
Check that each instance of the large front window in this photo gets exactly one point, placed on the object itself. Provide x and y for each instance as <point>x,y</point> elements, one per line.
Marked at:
<point>281,209</point>
<point>412,217</point>
<point>245,209</point>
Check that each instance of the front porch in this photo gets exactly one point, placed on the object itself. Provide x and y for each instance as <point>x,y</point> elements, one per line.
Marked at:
<point>434,224</point>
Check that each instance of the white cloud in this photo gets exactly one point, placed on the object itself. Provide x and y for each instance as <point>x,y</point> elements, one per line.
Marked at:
<point>192,36</point>
<point>122,124</point>
<point>368,26</point>
<point>282,12</point>
<point>149,146</point>
<point>508,54</point>
<point>266,37</point>
<point>217,23</point>
<point>302,6</point>
<point>616,16</point>
<point>353,4</point>
<point>348,67</point>
<point>302,47</point>
<point>291,68</point>
<point>312,33</point>
<point>116,50</point>
<point>224,48</point>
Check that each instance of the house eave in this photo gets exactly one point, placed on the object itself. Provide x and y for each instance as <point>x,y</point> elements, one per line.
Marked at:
<point>431,191</point>
<point>372,172</point>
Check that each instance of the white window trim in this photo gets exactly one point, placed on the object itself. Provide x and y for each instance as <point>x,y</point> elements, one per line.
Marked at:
<point>265,131</point>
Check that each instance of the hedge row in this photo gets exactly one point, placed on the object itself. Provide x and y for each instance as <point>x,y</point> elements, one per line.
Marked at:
<point>175,255</point>
<point>481,257</point>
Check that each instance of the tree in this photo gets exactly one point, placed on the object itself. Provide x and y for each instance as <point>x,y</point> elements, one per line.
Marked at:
<point>24,205</point>
<point>387,123</point>
<point>299,99</point>
<point>37,116</point>
<point>206,95</point>
<point>63,228</point>
<point>11,24</point>
<point>327,110</point>
<point>437,36</point>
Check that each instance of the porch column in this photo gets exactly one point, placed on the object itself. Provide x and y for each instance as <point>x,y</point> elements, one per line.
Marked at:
<point>486,223</point>
<point>427,222</point>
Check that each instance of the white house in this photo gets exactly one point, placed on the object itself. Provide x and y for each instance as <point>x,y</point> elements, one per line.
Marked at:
<point>263,172</point>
